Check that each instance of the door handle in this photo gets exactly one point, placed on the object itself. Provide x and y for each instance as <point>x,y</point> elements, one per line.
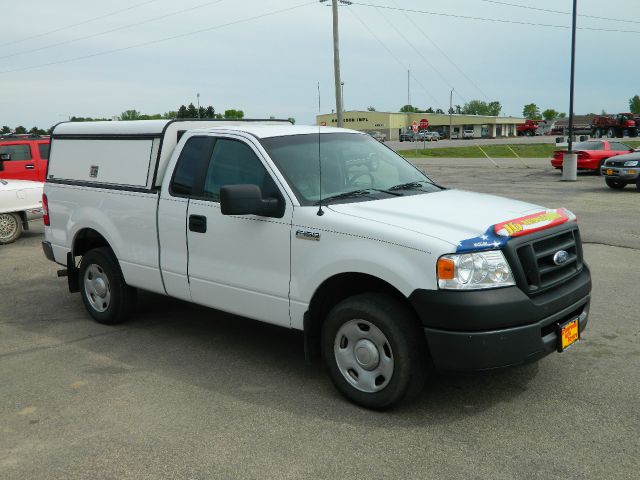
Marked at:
<point>30,167</point>
<point>198,223</point>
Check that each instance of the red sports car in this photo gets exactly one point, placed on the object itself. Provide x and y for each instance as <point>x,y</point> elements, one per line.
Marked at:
<point>592,154</point>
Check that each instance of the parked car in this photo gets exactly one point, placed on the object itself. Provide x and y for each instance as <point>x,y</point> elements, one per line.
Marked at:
<point>381,137</point>
<point>20,202</point>
<point>408,136</point>
<point>428,136</point>
<point>622,170</point>
<point>24,157</point>
<point>468,134</point>
<point>382,269</point>
<point>592,154</point>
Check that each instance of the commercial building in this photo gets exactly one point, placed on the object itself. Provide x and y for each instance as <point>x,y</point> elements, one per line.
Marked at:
<point>392,123</point>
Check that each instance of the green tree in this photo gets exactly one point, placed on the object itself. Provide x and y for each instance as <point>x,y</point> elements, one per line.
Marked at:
<point>293,120</point>
<point>429,110</point>
<point>550,114</point>
<point>21,130</point>
<point>634,104</point>
<point>5,130</point>
<point>409,109</point>
<point>478,107</point>
<point>531,112</point>
<point>210,112</point>
<point>233,114</point>
<point>562,115</point>
<point>130,115</point>
<point>439,110</point>
<point>170,114</point>
<point>371,109</point>
<point>182,112</point>
<point>494,108</point>
<point>192,112</point>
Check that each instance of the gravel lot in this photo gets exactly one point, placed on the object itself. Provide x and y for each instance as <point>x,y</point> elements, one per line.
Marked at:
<point>183,392</point>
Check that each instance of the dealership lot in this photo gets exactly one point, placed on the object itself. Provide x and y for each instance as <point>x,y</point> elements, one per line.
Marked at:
<point>186,392</point>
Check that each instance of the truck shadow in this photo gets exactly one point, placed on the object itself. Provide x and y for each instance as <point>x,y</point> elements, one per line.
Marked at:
<point>264,364</point>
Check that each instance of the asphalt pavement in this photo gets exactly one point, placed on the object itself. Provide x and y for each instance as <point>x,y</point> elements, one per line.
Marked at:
<point>185,392</point>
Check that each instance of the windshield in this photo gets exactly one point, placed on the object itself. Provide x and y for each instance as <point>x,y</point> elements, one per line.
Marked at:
<point>350,162</point>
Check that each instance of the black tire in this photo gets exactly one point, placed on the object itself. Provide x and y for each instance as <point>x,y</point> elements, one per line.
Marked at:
<point>638,184</point>
<point>597,133</point>
<point>611,133</point>
<point>405,349</point>
<point>113,303</point>
<point>599,170</point>
<point>615,184</point>
<point>10,227</point>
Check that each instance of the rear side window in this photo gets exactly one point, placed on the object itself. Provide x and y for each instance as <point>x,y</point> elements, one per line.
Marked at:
<point>192,161</point>
<point>17,152</point>
<point>44,151</point>
<point>619,147</point>
<point>235,163</point>
<point>589,146</point>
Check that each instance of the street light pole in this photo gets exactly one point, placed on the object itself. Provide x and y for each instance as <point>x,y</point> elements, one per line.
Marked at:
<point>450,111</point>
<point>198,97</point>
<point>342,95</point>
<point>570,159</point>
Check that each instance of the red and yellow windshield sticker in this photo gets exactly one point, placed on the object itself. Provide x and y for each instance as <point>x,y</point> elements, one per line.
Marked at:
<point>532,223</point>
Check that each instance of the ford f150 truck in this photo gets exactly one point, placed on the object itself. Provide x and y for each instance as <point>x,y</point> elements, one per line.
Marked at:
<point>318,229</point>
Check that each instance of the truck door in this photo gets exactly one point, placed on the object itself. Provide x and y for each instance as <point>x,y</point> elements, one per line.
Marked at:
<point>239,264</point>
<point>41,167</point>
<point>22,165</point>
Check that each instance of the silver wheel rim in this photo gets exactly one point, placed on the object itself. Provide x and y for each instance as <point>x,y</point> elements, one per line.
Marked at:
<point>97,288</point>
<point>363,355</point>
<point>8,226</point>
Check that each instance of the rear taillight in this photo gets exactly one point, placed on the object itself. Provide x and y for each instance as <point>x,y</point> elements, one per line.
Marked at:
<point>45,209</point>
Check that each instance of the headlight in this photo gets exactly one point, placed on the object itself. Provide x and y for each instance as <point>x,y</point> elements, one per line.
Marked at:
<point>631,163</point>
<point>474,271</point>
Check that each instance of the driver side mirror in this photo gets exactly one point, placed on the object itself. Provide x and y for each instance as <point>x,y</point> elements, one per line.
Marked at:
<point>248,200</point>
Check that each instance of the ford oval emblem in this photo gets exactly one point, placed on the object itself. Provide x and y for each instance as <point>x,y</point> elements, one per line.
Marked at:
<point>560,257</point>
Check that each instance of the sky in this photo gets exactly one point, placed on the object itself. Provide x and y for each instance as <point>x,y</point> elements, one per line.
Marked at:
<point>94,58</point>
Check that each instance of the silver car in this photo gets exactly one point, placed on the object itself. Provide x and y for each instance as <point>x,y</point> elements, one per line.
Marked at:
<point>621,170</point>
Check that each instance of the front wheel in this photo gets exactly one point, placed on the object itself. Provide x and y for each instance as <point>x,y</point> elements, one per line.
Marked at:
<point>615,184</point>
<point>105,294</point>
<point>374,350</point>
<point>10,227</point>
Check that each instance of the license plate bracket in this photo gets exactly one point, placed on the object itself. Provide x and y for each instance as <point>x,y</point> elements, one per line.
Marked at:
<point>568,334</point>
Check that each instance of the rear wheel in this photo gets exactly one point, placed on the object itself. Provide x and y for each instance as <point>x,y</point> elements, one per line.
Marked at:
<point>615,184</point>
<point>611,133</point>
<point>374,350</point>
<point>638,184</point>
<point>10,227</point>
<point>105,294</point>
<point>597,133</point>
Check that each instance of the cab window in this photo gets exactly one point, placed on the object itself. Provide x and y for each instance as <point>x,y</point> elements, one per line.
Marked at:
<point>234,163</point>
<point>619,147</point>
<point>195,153</point>
<point>44,151</point>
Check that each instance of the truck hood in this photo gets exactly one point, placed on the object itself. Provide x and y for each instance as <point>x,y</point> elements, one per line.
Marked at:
<point>449,215</point>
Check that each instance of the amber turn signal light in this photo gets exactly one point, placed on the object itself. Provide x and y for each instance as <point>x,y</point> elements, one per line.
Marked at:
<point>446,269</point>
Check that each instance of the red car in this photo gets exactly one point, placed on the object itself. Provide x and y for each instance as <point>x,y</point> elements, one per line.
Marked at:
<point>24,158</point>
<point>592,154</point>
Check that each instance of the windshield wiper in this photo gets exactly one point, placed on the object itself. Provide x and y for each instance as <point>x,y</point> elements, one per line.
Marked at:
<point>408,186</point>
<point>355,193</point>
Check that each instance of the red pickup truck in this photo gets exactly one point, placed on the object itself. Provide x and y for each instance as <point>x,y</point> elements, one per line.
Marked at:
<point>24,157</point>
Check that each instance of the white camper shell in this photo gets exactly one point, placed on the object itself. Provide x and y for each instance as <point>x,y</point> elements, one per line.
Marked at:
<point>125,153</point>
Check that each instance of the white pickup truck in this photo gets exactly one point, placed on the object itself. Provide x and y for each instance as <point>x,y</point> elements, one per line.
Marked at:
<point>323,230</point>
<point>20,202</point>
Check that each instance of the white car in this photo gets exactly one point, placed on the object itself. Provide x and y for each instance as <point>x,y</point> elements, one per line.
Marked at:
<point>327,232</point>
<point>20,202</point>
<point>467,134</point>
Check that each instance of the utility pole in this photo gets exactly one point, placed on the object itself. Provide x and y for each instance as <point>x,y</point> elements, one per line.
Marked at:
<point>450,111</point>
<point>409,86</point>
<point>198,97</point>
<point>336,61</point>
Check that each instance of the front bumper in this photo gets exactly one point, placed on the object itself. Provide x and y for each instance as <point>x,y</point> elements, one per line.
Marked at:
<point>625,174</point>
<point>483,330</point>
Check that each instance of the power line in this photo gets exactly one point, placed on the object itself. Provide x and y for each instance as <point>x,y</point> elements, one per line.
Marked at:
<point>160,40</point>
<point>495,20</point>
<point>547,10</point>
<point>443,53</point>
<point>73,40</point>
<point>84,22</point>
<point>384,45</point>
<point>420,54</point>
